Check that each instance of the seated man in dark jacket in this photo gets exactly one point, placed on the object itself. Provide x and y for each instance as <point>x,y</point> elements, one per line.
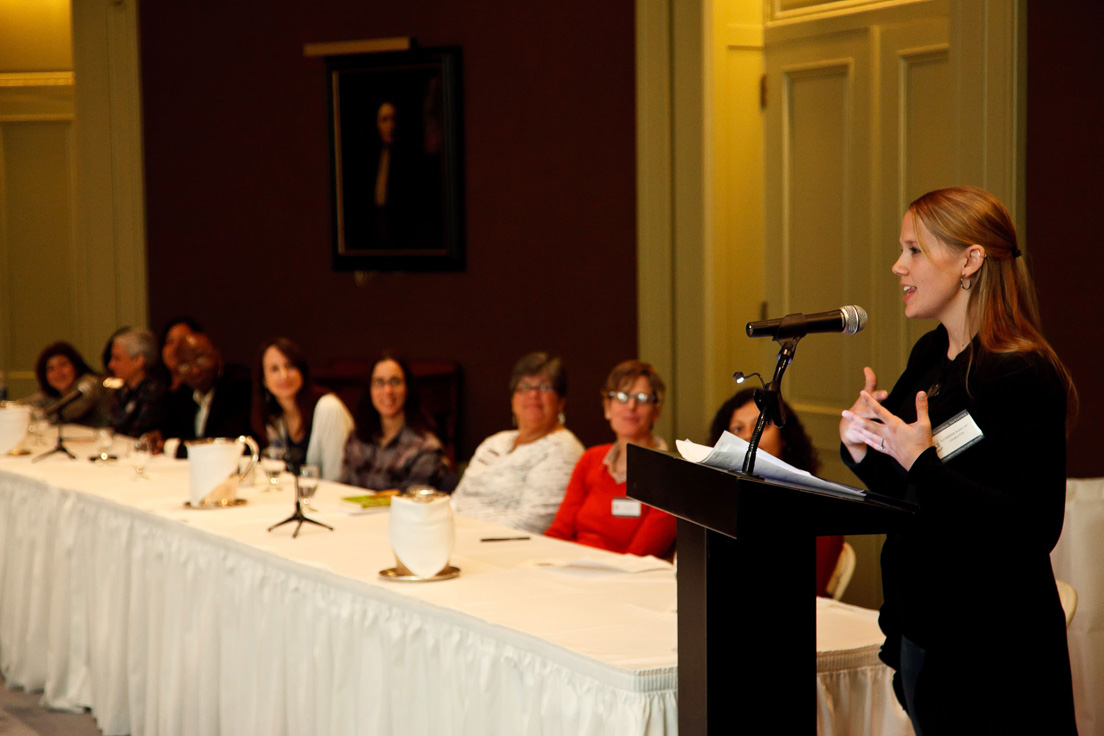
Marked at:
<point>221,399</point>
<point>140,404</point>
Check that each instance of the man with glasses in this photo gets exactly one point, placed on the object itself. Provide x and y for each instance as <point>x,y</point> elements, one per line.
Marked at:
<point>221,397</point>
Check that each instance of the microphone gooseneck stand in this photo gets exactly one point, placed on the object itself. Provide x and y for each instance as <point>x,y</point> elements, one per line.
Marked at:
<point>299,516</point>
<point>59,447</point>
<point>792,328</point>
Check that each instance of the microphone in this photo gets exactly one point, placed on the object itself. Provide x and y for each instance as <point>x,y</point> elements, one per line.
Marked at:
<point>848,320</point>
<point>84,384</point>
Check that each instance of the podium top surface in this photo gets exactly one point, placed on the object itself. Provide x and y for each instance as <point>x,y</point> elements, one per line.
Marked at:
<point>739,506</point>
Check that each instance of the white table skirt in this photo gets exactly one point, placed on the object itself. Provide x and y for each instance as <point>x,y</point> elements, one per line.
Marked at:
<point>166,620</point>
<point>1076,560</point>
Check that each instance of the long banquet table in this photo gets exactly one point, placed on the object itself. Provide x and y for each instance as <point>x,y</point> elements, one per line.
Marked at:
<point>168,620</point>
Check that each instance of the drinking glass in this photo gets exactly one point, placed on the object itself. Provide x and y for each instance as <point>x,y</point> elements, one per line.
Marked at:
<point>141,453</point>
<point>272,463</point>
<point>105,439</point>
<point>308,484</point>
<point>36,428</point>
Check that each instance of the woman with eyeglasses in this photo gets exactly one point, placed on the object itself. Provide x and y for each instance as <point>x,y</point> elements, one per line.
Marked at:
<point>517,477</point>
<point>288,409</point>
<point>595,511</point>
<point>393,447</point>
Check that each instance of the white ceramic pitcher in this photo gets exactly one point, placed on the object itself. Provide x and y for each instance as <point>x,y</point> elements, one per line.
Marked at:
<point>213,464</point>
<point>422,532</point>
<point>14,420</point>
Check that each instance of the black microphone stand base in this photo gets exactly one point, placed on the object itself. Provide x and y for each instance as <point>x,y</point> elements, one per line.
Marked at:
<point>301,518</point>
<point>59,447</point>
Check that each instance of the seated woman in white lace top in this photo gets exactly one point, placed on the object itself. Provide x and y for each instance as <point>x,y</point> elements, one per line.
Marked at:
<point>518,477</point>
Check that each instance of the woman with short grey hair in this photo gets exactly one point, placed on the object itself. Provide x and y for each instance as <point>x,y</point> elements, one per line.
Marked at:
<point>518,477</point>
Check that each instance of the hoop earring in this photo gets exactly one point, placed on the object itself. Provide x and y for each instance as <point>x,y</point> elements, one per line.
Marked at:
<point>965,283</point>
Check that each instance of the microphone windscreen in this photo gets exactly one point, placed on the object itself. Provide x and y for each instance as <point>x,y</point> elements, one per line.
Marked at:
<point>854,318</point>
<point>87,383</point>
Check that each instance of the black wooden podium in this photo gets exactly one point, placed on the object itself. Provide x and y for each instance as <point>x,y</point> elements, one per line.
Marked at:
<point>746,584</point>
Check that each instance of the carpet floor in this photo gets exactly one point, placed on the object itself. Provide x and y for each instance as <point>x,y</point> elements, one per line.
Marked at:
<point>22,715</point>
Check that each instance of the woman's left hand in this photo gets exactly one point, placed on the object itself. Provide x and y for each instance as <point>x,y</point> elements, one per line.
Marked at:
<point>885,432</point>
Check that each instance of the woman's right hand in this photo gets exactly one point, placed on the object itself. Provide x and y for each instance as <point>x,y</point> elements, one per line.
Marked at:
<point>852,440</point>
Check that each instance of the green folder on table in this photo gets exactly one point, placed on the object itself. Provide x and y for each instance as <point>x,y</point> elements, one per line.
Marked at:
<point>366,502</point>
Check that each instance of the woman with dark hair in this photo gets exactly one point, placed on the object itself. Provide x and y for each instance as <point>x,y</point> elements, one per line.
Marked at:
<point>789,444</point>
<point>973,622</point>
<point>393,447</point>
<point>312,424</point>
<point>61,369</point>
<point>517,477</point>
<point>595,510</point>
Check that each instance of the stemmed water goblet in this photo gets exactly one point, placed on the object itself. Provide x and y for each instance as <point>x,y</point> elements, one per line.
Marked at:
<point>36,428</point>
<point>105,439</point>
<point>308,484</point>
<point>141,452</point>
<point>273,463</point>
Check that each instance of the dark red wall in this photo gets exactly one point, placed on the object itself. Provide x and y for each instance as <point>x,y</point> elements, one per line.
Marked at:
<point>238,189</point>
<point>1065,202</point>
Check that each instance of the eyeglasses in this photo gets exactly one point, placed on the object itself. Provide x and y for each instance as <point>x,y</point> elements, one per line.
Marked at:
<point>624,397</point>
<point>544,388</point>
<point>201,362</point>
<point>393,382</point>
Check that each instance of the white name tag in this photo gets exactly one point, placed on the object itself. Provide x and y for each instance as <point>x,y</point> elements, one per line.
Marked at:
<point>955,435</point>
<point>626,507</point>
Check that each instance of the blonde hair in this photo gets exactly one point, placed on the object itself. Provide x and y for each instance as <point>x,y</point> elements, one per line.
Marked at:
<point>1002,298</point>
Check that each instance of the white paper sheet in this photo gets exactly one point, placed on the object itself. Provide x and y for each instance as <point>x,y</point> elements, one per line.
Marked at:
<point>728,454</point>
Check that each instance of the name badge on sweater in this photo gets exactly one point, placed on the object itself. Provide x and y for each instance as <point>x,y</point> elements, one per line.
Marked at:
<point>955,435</point>
<point>626,507</point>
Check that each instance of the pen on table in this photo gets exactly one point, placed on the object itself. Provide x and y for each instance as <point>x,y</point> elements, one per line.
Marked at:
<point>503,539</point>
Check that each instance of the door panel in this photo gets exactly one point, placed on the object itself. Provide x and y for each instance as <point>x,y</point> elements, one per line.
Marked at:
<point>36,224</point>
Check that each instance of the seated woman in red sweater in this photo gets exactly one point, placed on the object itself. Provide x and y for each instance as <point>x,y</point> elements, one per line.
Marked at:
<point>789,444</point>
<point>595,510</point>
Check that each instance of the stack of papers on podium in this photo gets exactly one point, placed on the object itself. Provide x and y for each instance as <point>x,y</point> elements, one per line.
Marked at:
<point>728,454</point>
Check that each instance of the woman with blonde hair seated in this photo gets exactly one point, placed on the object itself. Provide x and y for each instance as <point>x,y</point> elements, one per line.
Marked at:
<point>595,511</point>
<point>518,477</point>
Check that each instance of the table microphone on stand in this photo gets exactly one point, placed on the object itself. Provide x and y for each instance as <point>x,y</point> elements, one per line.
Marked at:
<point>85,384</point>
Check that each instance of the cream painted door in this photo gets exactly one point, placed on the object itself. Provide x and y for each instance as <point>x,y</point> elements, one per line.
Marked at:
<point>38,255</point>
<point>869,106</point>
<point>859,121</point>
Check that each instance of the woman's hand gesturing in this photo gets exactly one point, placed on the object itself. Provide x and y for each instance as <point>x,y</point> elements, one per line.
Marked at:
<point>869,424</point>
<point>851,435</point>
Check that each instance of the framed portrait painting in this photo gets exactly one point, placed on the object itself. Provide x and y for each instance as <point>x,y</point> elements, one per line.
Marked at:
<point>395,156</point>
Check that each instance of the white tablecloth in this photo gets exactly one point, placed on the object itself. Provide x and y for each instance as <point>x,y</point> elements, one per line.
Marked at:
<point>168,620</point>
<point>1076,560</point>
